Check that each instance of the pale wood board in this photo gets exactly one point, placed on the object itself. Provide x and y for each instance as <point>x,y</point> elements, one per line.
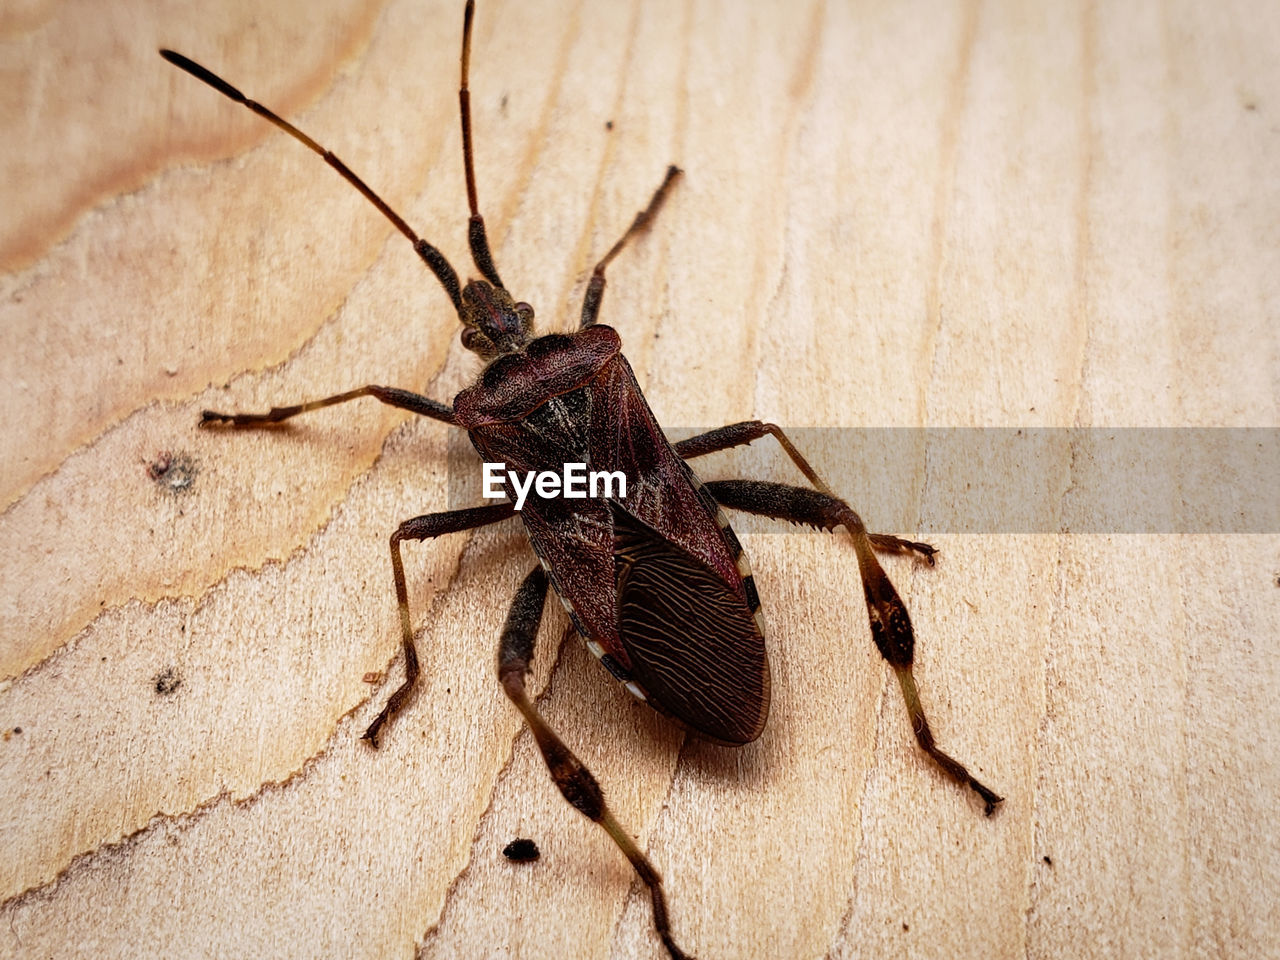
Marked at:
<point>997,214</point>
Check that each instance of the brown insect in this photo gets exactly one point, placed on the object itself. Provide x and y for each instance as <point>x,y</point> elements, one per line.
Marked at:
<point>654,580</point>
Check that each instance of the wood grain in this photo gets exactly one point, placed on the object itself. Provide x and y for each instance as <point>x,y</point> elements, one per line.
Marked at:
<point>999,214</point>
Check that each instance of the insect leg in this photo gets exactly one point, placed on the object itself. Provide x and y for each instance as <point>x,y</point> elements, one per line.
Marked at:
<point>738,434</point>
<point>576,783</point>
<point>389,395</point>
<point>885,543</point>
<point>424,528</point>
<point>595,287</point>
<point>890,624</point>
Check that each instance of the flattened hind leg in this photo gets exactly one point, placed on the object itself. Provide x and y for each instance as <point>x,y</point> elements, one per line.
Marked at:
<point>890,624</point>
<point>570,774</point>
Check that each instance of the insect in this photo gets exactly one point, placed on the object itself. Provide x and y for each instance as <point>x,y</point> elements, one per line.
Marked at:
<point>655,581</point>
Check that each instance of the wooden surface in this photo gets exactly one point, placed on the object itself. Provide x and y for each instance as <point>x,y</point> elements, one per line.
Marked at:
<point>996,214</point>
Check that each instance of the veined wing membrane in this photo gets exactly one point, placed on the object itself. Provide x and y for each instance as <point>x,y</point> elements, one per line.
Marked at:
<point>693,642</point>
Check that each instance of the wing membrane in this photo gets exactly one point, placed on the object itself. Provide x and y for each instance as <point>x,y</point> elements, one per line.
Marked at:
<point>692,640</point>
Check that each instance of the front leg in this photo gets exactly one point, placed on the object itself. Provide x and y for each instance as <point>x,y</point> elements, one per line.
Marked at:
<point>595,286</point>
<point>890,624</point>
<point>392,396</point>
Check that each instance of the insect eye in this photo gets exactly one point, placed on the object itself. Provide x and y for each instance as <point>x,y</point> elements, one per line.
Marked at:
<point>474,340</point>
<point>524,311</point>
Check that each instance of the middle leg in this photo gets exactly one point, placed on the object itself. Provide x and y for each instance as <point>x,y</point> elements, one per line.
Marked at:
<point>740,434</point>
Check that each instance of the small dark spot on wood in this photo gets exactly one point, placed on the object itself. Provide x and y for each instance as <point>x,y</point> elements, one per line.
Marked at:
<point>608,124</point>
<point>1047,859</point>
<point>173,472</point>
<point>10,734</point>
<point>905,927</point>
<point>521,850</point>
<point>166,681</point>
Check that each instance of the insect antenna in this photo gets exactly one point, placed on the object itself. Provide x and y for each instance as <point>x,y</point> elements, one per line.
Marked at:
<point>475,231</point>
<point>434,258</point>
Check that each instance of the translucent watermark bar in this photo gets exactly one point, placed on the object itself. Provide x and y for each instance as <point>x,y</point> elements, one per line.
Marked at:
<point>939,480</point>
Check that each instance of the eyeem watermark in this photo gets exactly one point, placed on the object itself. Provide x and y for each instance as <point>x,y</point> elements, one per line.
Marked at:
<point>576,482</point>
<point>927,481</point>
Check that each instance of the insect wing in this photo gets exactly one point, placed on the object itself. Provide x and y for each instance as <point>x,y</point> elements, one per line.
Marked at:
<point>653,579</point>
<point>693,643</point>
